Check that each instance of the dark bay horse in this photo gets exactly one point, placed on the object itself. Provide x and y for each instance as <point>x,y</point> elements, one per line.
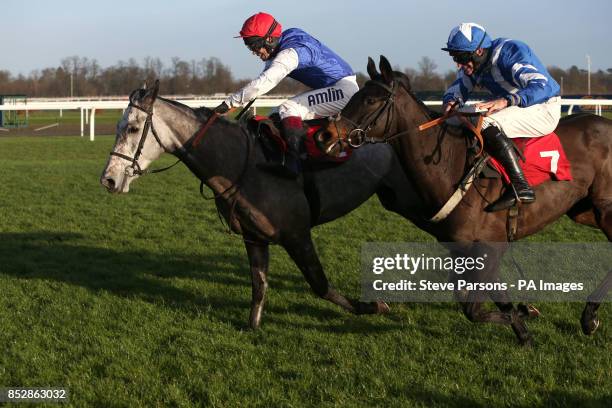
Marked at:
<point>262,207</point>
<point>385,109</point>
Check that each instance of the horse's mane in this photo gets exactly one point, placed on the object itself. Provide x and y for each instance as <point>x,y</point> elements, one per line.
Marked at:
<point>405,83</point>
<point>202,113</point>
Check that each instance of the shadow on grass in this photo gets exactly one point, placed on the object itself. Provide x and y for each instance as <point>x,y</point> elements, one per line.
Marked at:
<point>222,282</point>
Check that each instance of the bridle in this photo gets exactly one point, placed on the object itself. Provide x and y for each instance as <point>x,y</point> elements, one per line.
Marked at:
<point>359,134</point>
<point>133,169</point>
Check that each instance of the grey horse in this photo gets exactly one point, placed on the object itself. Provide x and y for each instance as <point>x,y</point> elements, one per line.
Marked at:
<point>263,208</point>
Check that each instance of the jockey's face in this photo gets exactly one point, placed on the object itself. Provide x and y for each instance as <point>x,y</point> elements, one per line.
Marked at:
<point>262,53</point>
<point>259,50</point>
<point>467,64</point>
<point>468,68</point>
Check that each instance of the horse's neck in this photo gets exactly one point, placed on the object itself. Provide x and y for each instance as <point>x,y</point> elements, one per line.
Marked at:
<point>219,157</point>
<point>174,126</point>
<point>434,159</point>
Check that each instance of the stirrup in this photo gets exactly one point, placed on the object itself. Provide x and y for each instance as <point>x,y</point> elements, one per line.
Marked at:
<point>509,198</point>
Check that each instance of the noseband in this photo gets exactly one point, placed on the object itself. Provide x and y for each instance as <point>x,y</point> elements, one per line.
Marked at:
<point>359,134</point>
<point>133,169</point>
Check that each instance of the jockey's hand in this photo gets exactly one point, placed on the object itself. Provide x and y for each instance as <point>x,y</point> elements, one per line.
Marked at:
<point>493,106</point>
<point>449,106</point>
<point>222,109</point>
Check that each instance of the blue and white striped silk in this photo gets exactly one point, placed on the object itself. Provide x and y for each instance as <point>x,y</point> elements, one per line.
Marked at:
<point>513,72</point>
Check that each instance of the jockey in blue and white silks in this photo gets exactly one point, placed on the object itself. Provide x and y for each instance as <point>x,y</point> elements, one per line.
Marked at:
<point>298,55</point>
<point>525,98</point>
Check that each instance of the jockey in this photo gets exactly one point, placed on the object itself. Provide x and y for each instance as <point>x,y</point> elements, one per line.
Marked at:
<point>296,54</point>
<point>525,101</point>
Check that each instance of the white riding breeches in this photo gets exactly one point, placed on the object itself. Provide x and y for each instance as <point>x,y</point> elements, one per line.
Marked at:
<point>322,102</point>
<point>533,121</point>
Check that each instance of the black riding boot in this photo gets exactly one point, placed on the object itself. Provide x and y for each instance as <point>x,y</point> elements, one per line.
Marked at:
<point>500,147</point>
<point>294,133</point>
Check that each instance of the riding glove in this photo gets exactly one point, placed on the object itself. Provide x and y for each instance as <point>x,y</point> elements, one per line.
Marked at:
<point>222,109</point>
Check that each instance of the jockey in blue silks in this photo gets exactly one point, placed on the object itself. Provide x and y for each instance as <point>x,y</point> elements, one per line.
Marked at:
<point>298,55</point>
<point>525,101</point>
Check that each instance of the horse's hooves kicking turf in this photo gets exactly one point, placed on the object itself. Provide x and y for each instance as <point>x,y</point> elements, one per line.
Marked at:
<point>383,308</point>
<point>589,322</point>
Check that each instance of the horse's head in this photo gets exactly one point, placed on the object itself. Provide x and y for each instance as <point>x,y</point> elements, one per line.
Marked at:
<point>136,144</point>
<point>369,115</point>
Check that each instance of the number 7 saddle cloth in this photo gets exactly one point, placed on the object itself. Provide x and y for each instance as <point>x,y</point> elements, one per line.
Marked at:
<point>545,160</point>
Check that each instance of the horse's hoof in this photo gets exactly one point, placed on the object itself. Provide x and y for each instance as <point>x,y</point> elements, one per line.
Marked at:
<point>590,326</point>
<point>382,307</point>
<point>528,311</point>
<point>461,296</point>
<point>254,322</point>
<point>533,312</point>
<point>526,342</point>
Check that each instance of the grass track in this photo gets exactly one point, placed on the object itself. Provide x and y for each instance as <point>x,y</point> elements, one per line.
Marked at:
<point>142,300</point>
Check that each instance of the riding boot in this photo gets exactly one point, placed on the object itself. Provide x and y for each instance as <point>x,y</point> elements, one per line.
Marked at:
<point>502,149</point>
<point>292,130</point>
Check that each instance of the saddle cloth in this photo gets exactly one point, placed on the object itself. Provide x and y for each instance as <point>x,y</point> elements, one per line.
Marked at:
<point>545,160</point>
<point>268,128</point>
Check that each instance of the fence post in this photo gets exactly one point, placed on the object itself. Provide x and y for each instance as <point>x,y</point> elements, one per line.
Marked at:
<point>92,125</point>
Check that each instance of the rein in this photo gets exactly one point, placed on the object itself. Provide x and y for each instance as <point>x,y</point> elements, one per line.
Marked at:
<point>360,130</point>
<point>464,118</point>
<point>134,168</point>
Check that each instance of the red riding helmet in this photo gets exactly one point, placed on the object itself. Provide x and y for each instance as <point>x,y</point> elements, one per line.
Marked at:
<point>260,25</point>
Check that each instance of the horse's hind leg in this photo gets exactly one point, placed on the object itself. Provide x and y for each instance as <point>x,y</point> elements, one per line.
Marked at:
<point>589,319</point>
<point>507,314</point>
<point>258,253</point>
<point>303,253</point>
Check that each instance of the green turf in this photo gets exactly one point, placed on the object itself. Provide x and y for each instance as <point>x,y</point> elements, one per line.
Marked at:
<point>103,116</point>
<point>142,300</point>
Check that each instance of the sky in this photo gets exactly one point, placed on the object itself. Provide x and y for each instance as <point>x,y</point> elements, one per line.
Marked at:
<point>38,34</point>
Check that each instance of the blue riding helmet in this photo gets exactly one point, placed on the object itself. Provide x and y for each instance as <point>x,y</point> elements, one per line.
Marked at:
<point>467,37</point>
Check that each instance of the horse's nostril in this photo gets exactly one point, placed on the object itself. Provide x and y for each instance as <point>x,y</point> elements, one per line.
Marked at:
<point>109,183</point>
<point>324,136</point>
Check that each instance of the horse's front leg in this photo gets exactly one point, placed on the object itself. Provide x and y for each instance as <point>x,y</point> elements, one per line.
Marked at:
<point>259,255</point>
<point>303,253</point>
<point>508,314</point>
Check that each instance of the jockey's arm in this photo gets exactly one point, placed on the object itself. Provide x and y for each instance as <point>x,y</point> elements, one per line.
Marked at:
<point>532,83</point>
<point>458,93</point>
<point>281,66</point>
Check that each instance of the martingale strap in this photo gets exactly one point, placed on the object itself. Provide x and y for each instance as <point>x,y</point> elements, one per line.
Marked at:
<point>477,130</point>
<point>468,179</point>
<point>464,186</point>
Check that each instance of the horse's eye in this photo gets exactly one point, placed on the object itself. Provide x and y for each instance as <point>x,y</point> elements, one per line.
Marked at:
<point>132,129</point>
<point>370,101</point>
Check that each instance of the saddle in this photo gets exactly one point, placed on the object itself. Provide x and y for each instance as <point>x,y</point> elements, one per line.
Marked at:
<point>543,159</point>
<point>268,134</point>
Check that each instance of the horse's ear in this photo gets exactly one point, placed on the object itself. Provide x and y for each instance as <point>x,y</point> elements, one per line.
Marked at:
<point>155,89</point>
<point>385,69</point>
<point>372,68</point>
<point>144,85</point>
<point>151,94</point>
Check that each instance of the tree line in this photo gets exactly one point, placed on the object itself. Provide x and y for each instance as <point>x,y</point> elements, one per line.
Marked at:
<point>81,76</point>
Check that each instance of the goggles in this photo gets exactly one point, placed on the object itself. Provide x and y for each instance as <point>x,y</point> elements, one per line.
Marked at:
<point>462,58</point>
<point>254,43</point>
